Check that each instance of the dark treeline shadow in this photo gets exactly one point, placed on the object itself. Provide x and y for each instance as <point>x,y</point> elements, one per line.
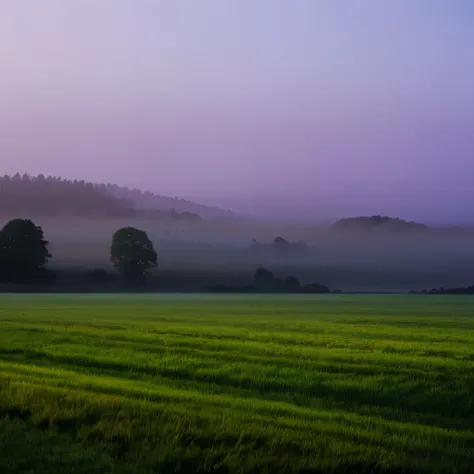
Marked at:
<point>24,254</point>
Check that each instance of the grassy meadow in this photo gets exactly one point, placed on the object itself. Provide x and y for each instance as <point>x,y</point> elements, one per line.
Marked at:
<point>236,384</point>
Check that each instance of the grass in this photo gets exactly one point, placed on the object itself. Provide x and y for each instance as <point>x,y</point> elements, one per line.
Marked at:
<point>236,384</point>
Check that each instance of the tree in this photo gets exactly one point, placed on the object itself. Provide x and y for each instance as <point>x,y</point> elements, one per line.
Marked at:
<point>281,246</point>
<point>281,242</point>
<point>292,284</point>
<point>133,254</point>
<point>98,275</point>
<point>23,251</point>
<point>264,278</point>
<point>315,288</point>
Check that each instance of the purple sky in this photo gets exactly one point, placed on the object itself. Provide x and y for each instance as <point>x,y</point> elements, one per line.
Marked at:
<point>302,108</point>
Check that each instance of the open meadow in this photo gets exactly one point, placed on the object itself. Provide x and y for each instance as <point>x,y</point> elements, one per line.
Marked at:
<point>236,384</point>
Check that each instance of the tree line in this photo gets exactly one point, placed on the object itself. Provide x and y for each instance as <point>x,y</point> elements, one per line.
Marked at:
<point>51,196</point>
<point>378,223</point>
<point>264,281</point>
<point>24,254</point>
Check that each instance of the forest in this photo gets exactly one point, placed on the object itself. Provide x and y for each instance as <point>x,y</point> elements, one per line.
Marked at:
<point>54,196</point>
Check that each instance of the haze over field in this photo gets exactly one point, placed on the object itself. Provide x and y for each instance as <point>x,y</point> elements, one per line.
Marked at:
<point>197,243</point>
<point>307,109</point>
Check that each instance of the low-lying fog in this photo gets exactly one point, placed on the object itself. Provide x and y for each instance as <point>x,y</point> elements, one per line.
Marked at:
<point>221,251</point>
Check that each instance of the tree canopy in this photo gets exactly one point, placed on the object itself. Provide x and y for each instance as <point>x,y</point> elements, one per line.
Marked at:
<point>23,251</point>
<point>281,242</point>
<point>132,252</point>
<point>384,223</point>
<point>263,277</point>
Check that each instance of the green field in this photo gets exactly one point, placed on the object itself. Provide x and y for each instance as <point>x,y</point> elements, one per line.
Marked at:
<point>244,384</point>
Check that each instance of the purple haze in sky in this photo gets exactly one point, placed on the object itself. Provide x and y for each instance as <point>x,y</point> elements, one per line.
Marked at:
<point>304,108</point>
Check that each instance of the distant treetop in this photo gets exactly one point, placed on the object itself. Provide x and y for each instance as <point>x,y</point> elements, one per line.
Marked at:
<point>377,223</point>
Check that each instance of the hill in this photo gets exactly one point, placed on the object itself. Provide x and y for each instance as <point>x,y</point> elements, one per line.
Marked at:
<point>24,195</point>
<point>377,223</point>
<point>146,200</point>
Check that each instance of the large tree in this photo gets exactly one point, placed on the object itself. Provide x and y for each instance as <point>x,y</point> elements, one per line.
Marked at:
<point>132,252</point>
<point>23,251</point>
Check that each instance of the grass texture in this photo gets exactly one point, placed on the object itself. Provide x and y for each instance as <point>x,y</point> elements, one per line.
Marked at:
<point>236,384</point>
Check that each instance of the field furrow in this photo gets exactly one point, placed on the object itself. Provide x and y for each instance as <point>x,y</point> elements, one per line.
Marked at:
<point>249,384</point>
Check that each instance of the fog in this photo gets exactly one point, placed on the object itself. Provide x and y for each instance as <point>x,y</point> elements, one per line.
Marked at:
<point>271,108</point>
<point>195,254</point>
<point>262,114</point>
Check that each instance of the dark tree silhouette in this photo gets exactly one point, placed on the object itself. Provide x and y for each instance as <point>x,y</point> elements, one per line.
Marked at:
<point>292,283</point>
<point>98,275</point>
<point>373,223</point>
<point>23,251</point>
<point>281,242</point>
<point>264,278</point>
<point>315,288</point>
<point>132,252</point>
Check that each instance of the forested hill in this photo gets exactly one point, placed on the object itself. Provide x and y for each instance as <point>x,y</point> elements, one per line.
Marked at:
<point>24,195</point>
<point>377,223</point>
<point>148,200</point>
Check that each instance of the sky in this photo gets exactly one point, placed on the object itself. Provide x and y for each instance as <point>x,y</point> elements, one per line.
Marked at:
<point>301,108</point>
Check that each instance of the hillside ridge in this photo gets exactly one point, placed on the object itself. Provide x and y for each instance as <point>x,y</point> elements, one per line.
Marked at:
<point>52,195</point>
